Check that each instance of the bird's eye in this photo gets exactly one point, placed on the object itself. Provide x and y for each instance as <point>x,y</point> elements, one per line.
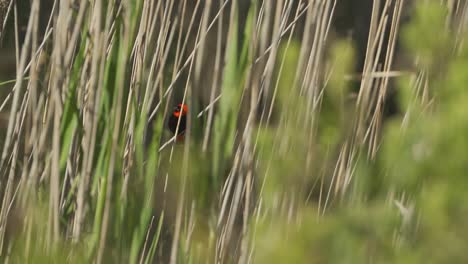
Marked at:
<point>176,109</point>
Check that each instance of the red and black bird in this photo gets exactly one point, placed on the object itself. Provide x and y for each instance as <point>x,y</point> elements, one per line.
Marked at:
<point>180,111</point>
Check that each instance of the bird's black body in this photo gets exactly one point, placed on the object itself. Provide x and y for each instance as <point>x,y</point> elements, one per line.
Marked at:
<point>172,124</point>
<point>180,112</point>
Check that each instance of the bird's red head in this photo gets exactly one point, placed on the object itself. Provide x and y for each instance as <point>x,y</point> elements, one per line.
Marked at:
<point>180,109</point>
<point>177,122</point>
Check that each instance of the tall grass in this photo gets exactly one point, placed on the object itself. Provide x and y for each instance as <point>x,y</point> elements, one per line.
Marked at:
<point>282,160</point>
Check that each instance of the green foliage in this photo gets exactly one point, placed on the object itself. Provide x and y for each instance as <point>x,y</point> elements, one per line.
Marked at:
<point>408,204</point>
<point>29,248</point>
<point>423,158</point>
<point>427,36</point>
<point>342,59</point>
<point>352,236</point>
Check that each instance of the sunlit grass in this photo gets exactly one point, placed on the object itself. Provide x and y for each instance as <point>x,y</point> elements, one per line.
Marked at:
<point>283,160</point>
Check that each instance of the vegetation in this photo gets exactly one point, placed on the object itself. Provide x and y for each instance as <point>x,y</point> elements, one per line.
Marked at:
<point>285,160</point>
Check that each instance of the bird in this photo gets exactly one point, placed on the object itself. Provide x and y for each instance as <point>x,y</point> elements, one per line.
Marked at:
<point>179,112</point>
